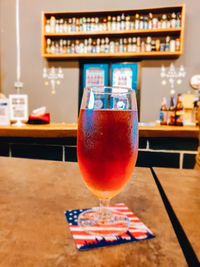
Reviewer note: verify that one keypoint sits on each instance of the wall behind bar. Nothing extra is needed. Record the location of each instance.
(63, 106)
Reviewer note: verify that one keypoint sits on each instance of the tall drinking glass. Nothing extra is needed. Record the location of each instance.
(107, 147)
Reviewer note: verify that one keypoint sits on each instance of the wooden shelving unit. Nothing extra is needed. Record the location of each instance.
(161, 33)
(114, 55)
(133, 32)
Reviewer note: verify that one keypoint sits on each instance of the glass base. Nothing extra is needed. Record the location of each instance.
(18, 123)
(104, 224)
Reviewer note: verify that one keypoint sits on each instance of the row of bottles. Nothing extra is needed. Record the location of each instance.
(106, 45)
(174, 114)
(196, 109)
(122, 22)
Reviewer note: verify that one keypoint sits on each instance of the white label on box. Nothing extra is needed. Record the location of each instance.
(4, 112)
(18, 107)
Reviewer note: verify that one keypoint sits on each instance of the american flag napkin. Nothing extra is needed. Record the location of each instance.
(83, 240)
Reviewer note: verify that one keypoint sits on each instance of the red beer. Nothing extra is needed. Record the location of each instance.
(107, 145)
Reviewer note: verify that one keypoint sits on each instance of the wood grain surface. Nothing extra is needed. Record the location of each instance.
(33, 230)
(58, 130)
(182, 188)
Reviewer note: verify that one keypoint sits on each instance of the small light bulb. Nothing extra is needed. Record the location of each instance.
(46, 83)
(179, 81)
(172, 92)
(164, 82)
(58, 82)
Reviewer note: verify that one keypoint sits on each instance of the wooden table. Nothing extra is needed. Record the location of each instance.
(182, 188)
(33, 230)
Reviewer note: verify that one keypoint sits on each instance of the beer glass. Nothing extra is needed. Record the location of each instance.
(107, 147)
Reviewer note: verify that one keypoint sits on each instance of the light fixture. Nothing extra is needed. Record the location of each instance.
(52, 76)
(172, 75)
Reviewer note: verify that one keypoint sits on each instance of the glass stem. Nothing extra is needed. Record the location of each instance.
(105, 213)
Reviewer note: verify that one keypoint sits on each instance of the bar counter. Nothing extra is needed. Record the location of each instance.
(61, 130)
(159, 146)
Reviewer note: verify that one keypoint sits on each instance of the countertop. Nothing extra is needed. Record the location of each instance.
(61, 130)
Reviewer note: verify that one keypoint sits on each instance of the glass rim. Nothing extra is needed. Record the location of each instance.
(126, 89)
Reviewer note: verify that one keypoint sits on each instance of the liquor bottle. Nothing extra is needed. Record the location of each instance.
(145, 26)
(52, 24)
(141, 25)
(94, 48)
(168, 21)
(153, 45)
(98, 46)
(53, 48)
(137, 21)
(157, 45)
(57, 28)
(159, 23)
(89, 48)
(154, 23)
(102, 46)
(163, 112)
(47, 26)
(167, 44)
(172, 46)
(142, 48)
(112, 47)
(81, 47)
(171, 112)
(150, 17)
(88, 25)
(173, 20)
(106, 45)
(57, 48)
(73, 48)
(61, 22)
(85, 46)
(48, 48)
(177, 44)
(121, 48)
(77, 25)
(178, 20)
(116, 48)
(127, 24)
(73, 24)
(65, 26)
(114, 24)
(138, 47)
(125, 45)
(61, 46)
(179, 111)
(81, 25)
(70, 25)
(148, 44)
(122, 22)
(132, 24)
(64, 47)
(134, 46)
(118, 26)
(196, 110)
(96, 28)
(129, 44)
(109, 24)
(84, 24)
(68, 47)
(104, 24)
(164, 21)
(93, 25)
